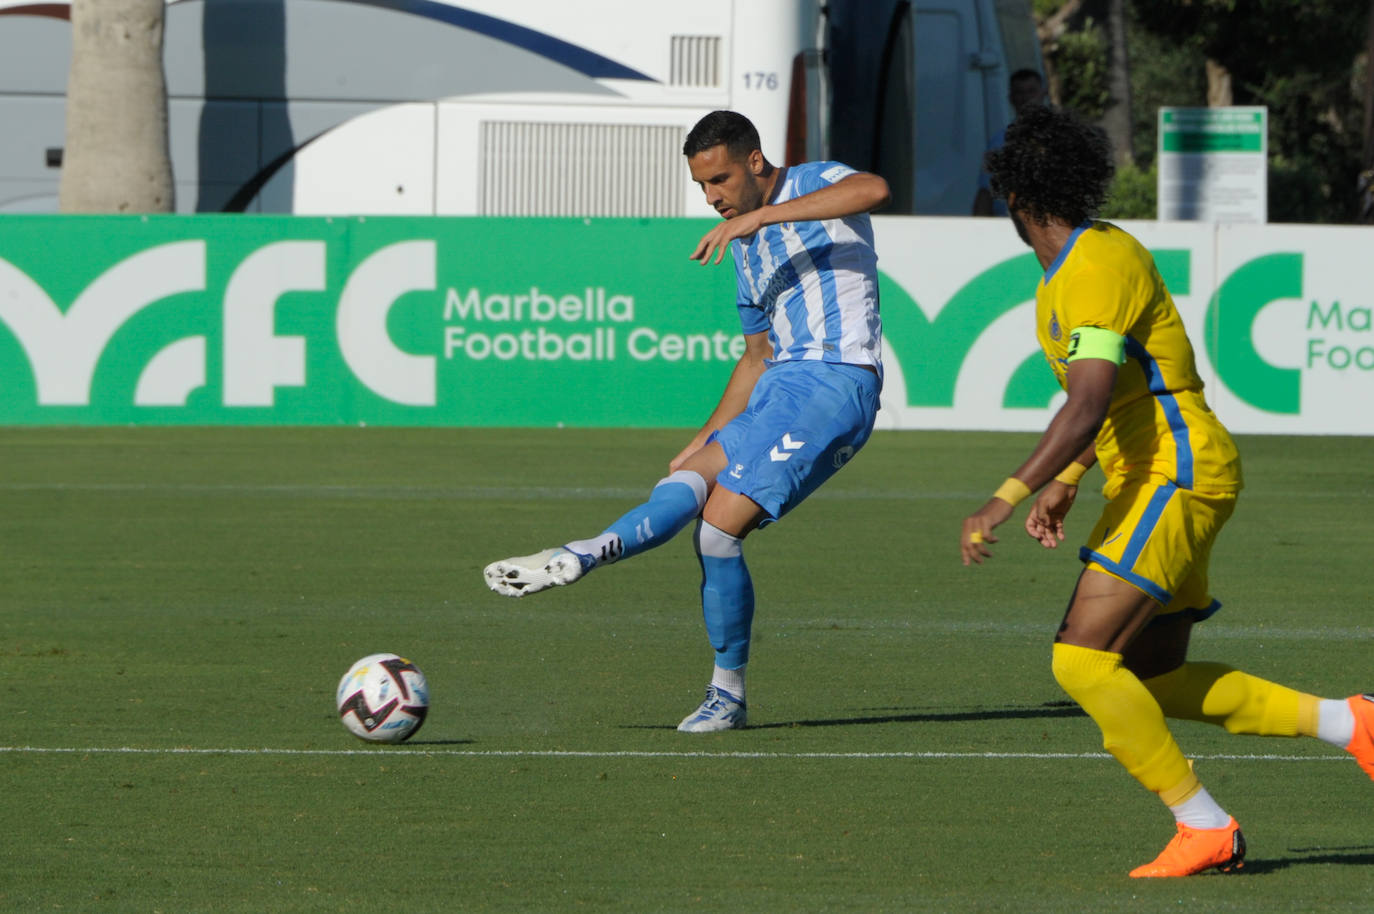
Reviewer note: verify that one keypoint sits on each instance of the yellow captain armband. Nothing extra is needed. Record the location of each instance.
(1013, 491)
(1070, 475)
(1096, 343)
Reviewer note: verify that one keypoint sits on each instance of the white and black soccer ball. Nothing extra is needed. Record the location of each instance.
(383, 698)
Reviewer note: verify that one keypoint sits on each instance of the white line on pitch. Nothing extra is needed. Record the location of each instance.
(418, 752)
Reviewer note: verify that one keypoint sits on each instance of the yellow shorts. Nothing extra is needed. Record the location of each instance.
(1158, 538)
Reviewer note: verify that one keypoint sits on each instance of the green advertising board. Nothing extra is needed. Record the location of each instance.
(280, 320)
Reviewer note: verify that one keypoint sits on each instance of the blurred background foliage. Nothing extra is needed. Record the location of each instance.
(1307, 61)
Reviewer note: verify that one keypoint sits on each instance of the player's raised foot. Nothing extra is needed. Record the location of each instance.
(525, 574)
(720, 711)
(1362, 743)
(1196, 849)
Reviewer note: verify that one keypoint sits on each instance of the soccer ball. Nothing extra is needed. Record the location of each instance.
(383, 698)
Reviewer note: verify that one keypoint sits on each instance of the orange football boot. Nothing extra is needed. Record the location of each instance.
(1196, 849)
(1362, 743)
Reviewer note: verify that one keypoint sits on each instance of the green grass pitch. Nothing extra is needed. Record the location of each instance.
(177, 606)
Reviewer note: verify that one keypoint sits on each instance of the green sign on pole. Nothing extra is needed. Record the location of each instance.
(1213, 164)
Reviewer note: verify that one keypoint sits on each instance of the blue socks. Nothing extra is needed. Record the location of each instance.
(727, 595)
(674, 501)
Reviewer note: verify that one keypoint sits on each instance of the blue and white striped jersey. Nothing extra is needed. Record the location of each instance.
(812, 285)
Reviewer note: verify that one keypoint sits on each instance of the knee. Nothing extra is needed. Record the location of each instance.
(694, 482)
(1078, 669)
(713, 542)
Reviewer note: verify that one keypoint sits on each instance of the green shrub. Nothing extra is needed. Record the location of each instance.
(1133, 195)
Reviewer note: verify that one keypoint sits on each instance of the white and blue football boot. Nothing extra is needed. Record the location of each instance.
(720, 711)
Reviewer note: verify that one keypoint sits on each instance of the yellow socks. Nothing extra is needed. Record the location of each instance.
(1218, 694)
(1132, 724)
(1131, 713)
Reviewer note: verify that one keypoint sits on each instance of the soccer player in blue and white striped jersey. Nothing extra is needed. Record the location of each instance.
(799, 404)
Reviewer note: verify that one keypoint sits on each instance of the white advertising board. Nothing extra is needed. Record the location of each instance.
(1279, 317)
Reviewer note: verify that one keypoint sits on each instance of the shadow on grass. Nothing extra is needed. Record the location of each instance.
(1047, 710)
(1273, 865)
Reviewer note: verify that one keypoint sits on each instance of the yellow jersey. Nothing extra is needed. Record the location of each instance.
(1158, 422)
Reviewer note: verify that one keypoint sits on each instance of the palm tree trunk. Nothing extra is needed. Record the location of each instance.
(1116, 120)
(116, 157)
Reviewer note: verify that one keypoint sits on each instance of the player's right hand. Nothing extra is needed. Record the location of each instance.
(977, 531)
(717, 240)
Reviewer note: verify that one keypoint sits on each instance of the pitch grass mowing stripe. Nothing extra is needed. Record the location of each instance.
(528, 493)
(417, 751)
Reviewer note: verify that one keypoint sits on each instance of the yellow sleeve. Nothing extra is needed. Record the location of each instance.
(1098, 297)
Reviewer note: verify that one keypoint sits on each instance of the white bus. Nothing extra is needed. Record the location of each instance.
(526, 107)
(510, 107)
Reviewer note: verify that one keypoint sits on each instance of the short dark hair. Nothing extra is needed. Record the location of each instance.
(730, 129)
(1058, 165)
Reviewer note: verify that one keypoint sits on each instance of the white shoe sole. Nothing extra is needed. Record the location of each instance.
(711, 725)
(699, 721)
(526, 574)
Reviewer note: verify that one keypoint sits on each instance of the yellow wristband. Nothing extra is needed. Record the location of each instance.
(1072, 473)
(1013, 491)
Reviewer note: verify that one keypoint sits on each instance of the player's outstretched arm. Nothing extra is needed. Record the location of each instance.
(861, 192)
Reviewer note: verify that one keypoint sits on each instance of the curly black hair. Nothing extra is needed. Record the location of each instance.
(1057, 165)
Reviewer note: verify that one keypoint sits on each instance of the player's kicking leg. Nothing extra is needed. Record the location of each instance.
(674, 502)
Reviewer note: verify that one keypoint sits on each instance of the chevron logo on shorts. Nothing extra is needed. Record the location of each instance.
(789, 447)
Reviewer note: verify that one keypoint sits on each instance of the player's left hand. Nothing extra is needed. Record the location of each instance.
(1045, 522)
(718, 239)
(977, 532)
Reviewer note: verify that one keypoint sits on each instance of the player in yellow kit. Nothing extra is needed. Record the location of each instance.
(1135, 405)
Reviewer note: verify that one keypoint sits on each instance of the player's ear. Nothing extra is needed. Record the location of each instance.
(757, 163)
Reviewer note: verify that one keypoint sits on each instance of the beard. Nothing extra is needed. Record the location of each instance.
(750, 199)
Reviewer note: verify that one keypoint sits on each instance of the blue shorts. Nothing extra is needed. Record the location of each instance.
(803, 422)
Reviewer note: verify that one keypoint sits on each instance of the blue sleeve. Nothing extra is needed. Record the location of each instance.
(812, 176)
(751, 316)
